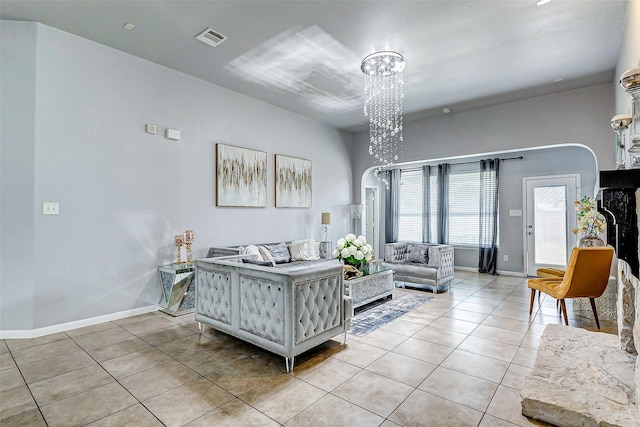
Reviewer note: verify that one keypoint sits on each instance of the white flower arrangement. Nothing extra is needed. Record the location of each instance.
(590, 222)
(353, 250)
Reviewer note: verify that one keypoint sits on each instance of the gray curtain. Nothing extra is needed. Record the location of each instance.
(443, 203)
(426, 204)
(392, 200)
(488, 215)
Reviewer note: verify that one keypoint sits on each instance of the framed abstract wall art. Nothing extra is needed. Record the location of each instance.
(293, 182)
(241, 177)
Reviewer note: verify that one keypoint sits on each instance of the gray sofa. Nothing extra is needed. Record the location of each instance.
(286, 309)
(422, 265)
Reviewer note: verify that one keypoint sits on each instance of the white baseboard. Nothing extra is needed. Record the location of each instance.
(33, 333)
(502, 272)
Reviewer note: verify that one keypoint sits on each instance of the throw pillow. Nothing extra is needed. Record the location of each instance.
(251, 250)
(303, 250)
(417, 253)
(279, 252)
(266, 255)
(256, 262)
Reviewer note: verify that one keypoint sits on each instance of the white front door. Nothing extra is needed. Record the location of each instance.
(549, 219)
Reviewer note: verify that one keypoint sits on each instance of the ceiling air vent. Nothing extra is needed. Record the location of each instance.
(210, 37)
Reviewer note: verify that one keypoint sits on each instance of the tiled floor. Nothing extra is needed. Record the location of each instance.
(459, 360)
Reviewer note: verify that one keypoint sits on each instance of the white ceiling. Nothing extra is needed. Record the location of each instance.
(304, 56)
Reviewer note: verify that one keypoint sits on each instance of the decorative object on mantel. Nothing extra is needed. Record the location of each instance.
(590, 222)
(326, 222)
(630, 82)
(179, 241)
(620, 123)
(293, 182)
(352, 250)
(384, 93)
(189, 238)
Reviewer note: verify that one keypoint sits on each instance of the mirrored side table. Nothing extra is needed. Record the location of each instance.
(178, 289)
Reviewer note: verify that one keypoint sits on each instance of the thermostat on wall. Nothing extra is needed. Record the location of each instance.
(172, 134)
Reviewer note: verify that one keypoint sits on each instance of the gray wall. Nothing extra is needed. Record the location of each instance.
(73, 116)
(576, 117)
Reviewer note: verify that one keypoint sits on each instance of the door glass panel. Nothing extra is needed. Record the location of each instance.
(550, 227)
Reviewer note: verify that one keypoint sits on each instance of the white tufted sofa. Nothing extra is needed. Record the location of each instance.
(436, 274)
(283, 311)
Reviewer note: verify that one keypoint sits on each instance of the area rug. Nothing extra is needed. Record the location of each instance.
(371, 316)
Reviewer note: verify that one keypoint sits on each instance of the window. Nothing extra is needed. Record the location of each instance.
(464, 205)
(410, 206)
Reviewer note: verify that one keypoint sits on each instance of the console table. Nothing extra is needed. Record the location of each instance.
(370, 287)
(178, 289)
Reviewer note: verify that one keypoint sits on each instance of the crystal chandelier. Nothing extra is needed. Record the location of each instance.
(383, 92)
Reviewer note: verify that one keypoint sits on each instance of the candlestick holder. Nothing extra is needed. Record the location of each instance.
(189, 254)
(179, 241)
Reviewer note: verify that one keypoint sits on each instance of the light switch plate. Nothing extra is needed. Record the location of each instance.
(173, 134)
(152, 129)
(50, 208)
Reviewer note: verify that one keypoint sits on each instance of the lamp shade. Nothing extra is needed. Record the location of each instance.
(326, 218)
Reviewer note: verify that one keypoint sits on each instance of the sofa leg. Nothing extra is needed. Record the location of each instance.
(201, 327)
(288, 363)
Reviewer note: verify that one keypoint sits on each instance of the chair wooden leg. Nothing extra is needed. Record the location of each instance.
(533, 298)
(558, 307)
(595, 312)
(563, 307)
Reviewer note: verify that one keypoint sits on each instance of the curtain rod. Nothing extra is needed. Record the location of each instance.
(465, 163)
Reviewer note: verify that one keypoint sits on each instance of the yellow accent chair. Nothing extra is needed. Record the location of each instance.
(587, 276)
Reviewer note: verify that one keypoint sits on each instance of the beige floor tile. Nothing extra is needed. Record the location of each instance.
(150, 324)
(333, 411)
(10, 378)
(388, 423)
(6, 361)
(102, 338)
(515, 376)
(404, 369)
(498, 334)
(233, 414)
(530, 341)
(165, 335)
(403, 327)
(32, 418)
(3, 347)
(469, 316)
(136, 415)
(246, 373)
(90, 329)
(89, 406)
(283, 398)
(15, 401)
(506, 323)
(491, 421)
(440, 336)
(66, 385)
(38, 371)
(357, 353)
(118, 349)
(455, 325)
(374, 392)
(507, 405)
(132, 363)
(325, 373)
(206, 362)
(489, 348)
(158, 379)
(383, 339)
(476, 365)
(189, 401)
(426, 409)
(525, 357)
(44, 351)
(460, 388)
(188, 345)
(137, 318)
(24, 343)
(423, 350)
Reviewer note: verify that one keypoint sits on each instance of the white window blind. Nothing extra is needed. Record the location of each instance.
(410, 206)
(464, 207)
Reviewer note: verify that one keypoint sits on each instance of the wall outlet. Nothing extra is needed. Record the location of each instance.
(50, 208)
(505, 257)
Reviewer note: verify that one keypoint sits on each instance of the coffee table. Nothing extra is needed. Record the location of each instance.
(370, 287)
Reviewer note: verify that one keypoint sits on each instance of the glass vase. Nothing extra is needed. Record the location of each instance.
(590, 241)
